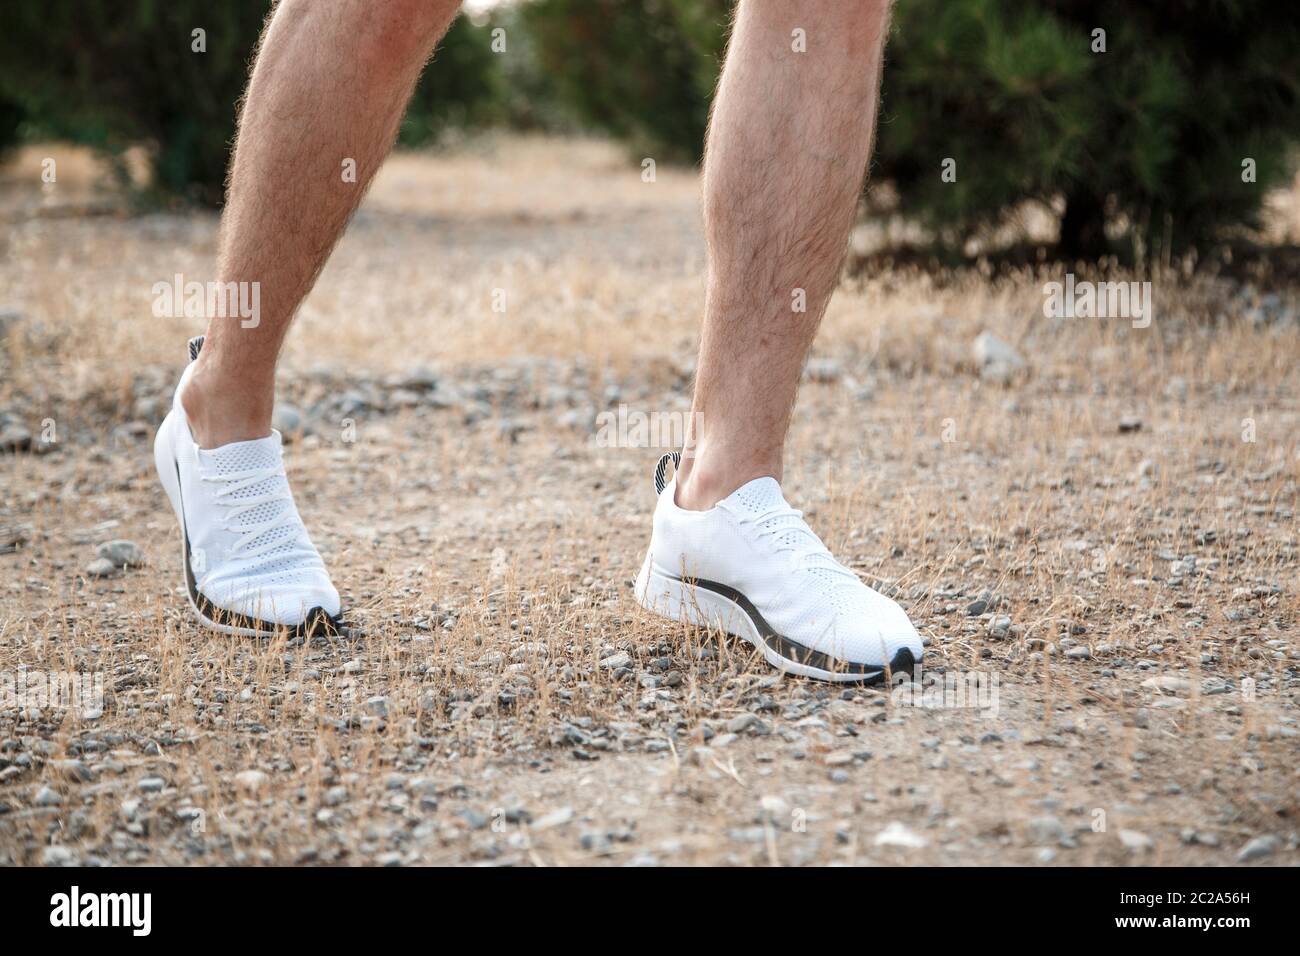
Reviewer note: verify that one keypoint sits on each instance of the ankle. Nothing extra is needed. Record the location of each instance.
(221, 411)
(701, 484)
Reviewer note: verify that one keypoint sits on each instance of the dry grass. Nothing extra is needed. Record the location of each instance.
(488, 568)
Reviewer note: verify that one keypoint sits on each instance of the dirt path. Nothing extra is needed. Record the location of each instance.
(1132, 673)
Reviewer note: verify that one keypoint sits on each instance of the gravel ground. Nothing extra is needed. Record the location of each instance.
(1099, 546)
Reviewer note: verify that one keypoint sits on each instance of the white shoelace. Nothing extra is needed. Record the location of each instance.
(236, 481)
(809, 551)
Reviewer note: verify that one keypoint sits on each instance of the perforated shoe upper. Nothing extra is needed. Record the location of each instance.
(754, 542)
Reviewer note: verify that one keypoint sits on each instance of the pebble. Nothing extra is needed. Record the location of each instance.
(101, 568)
(555, 818)
(999, 627)
(743, 722)
(1135, 841)
(1259, 848)
(1169, 683)
(151, 784)
(123, 553)
(981, 604)
(897, 834)
(58, 856)
(47, 797)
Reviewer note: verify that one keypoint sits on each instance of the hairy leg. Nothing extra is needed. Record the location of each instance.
(787, 151)
(330, 84)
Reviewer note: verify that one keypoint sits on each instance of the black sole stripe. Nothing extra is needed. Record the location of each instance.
(794, 651)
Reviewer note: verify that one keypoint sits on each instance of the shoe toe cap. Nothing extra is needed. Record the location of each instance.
(880, 636)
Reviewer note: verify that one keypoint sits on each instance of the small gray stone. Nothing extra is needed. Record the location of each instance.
(999, 628)
(151, 784)
(101, 568)
(47, 797)
(742, 722)
(615, 661)
(1258, 848)
(555, 818)
(58, 856)
(1135, 841)
(981, 604)
(123, 553)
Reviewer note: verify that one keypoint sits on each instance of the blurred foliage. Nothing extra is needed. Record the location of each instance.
(1151, 132)
(1154, 130)
(113, 74)
(462, 88)
(642, 70)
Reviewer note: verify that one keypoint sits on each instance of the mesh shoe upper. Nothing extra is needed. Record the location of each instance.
(754, 542)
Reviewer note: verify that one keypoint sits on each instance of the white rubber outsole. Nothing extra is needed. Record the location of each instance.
(668, 596)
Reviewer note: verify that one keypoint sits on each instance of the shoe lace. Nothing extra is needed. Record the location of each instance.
(234, 482)
(789, 532)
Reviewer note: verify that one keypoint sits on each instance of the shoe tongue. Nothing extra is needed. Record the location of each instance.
(243, 455)
(757, 496)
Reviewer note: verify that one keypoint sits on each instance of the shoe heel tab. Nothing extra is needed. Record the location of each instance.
(196, 345)
(661, 470)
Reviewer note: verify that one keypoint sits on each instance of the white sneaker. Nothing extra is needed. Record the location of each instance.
(250, 567)
(750, 566)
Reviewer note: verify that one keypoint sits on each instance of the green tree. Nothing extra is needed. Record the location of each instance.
(1151, 133)
(111, 74)
(1153, 130)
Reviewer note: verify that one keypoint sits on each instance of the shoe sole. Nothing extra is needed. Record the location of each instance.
(317, 620)
(719, 607)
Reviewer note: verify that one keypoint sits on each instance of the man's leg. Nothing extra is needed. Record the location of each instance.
(329, 86)
(327, 93)
(787, 153)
